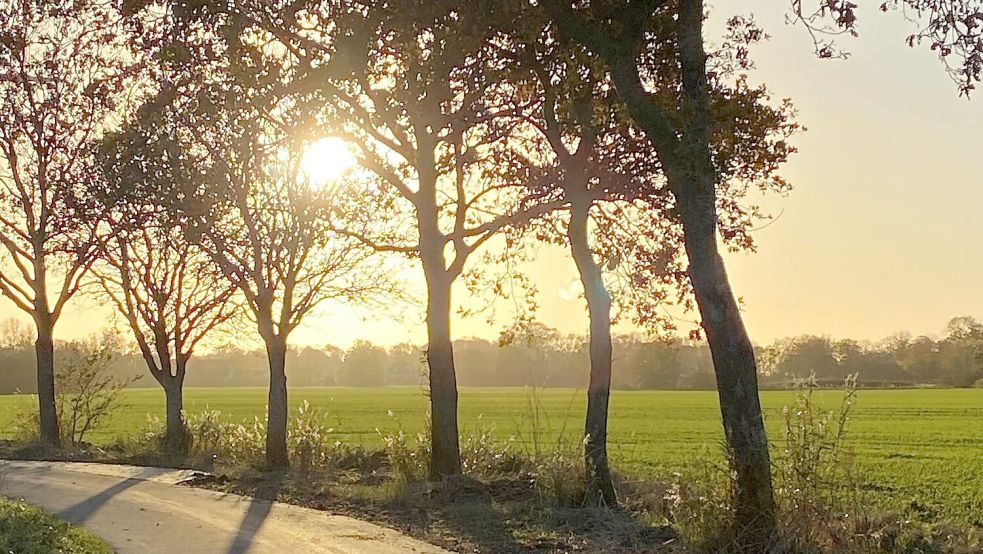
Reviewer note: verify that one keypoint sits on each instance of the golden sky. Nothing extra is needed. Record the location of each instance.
(883, 231)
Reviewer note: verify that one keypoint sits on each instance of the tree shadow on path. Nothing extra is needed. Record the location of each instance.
(259, 509)
(83, 510)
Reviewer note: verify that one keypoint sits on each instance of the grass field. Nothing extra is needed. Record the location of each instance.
(920, 451)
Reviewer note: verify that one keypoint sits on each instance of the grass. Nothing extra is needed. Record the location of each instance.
(28, 530)
(917, 451)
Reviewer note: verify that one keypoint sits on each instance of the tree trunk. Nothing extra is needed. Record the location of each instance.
(276, 420)
(176, 436)
(45, 351)
(733, 356)
(446, 453)
(599, 487)
(736, 371)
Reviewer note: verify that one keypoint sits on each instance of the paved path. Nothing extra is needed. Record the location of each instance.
(142, 511)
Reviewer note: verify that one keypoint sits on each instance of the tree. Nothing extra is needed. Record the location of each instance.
(963, 329)
(800, 357)
(88, 392)
(954, 360)
(315, 367)
(622, 230)
(961, 352)
(220, 148)
(17, 357)
(64, 75)
(644, 365)
(919, 358)
(868, 363)
(269, 236)
(414, 90)
(581, 158)
(171, 296)
(680, 133)
(622, 35)
(14, 333)
(406, 364)
(364, 365)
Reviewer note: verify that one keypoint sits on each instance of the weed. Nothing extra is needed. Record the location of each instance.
(409, 461)
(308, 439)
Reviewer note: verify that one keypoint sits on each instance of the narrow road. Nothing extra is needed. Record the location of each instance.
(141, 511)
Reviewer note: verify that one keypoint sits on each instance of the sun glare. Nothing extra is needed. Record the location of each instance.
(326, 160)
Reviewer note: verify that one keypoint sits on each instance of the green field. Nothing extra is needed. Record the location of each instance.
(920, 450)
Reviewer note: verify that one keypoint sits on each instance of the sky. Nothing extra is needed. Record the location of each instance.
(882, 232)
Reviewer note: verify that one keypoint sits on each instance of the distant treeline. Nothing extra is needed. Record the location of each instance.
(540, 356)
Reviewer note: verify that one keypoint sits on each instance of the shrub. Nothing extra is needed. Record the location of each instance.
(87, 394)
(208, 432)
(484, 456)
(700, 506)
(534, 429)
(307, 439)
(215, 442)
(148, 446)
(555, 460)
(559, 477)
(818, 491)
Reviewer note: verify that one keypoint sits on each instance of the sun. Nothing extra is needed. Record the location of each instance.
(326, 159)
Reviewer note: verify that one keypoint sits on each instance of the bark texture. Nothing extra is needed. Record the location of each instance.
(177, 433)
(736, 372)
(45, 351)
(446, 453)
(276, 430)
(693, 183)
(600, 488)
